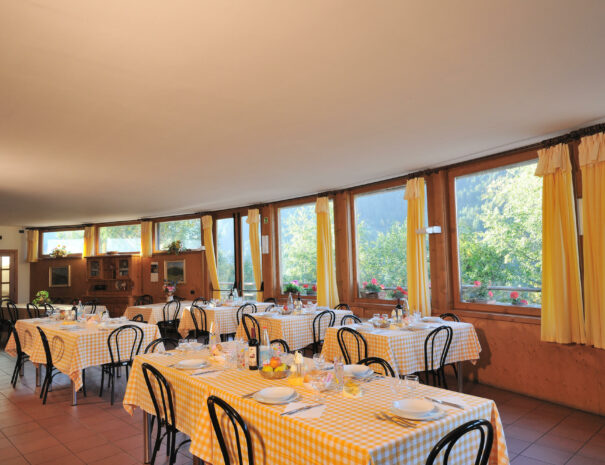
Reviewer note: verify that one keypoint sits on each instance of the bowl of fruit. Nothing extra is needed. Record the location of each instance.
(275, 369)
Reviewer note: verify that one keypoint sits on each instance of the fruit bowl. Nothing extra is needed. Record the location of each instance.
(281, 373)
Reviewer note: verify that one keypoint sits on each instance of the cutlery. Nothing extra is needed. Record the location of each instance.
(306, 407)
(445, 402)
(205, 372)
(250, 394)
(397, 420)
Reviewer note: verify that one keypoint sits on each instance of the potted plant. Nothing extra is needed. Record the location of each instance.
(372, 289)
(169, 289)
(309, 289)
(59, 252)
(175, 248)
(515, 299)
(399, 293)
(42, 297)
(479, 293)
(292, 287)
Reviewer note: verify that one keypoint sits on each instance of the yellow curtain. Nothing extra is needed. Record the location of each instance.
(33, 236)
(592, 164)
(210, 258)
(562, 315)
(253, 221)
(418, 292)
(327, 291)
(146, 239)
(89, 241)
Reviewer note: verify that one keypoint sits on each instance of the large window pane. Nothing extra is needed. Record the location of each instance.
(122, 238)
(499, 221)
(225, 254)
(247, 272)
(186, 231)
(72, 240)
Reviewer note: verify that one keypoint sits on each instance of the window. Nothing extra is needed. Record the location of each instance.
(73, 241)
(225, 253)
(499, 232)
(298, 245)
(8, 270)
(187, 231)
(123, 238)
(248, 282)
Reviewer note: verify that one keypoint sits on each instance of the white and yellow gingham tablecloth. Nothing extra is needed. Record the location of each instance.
(22, 308)
(347, 433)
(296, 330)
(404, 349)
(224, 316)
(72, 351)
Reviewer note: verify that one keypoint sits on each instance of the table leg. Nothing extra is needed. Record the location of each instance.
(74, 394)
(460, 377)
(197, 461)
(38, 375)
(146, 437)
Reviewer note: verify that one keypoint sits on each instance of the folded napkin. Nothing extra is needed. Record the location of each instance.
(314, 412)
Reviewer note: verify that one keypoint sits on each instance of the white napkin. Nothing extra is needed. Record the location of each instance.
(314, 412)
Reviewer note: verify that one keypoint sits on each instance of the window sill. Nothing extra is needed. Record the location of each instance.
(485, 315)
(165, 252)
(48, 257)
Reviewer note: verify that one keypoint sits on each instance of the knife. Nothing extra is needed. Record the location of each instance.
(445, 402)
(306, 407)
(205, 372)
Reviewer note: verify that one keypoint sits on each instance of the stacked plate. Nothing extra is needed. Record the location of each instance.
(432, 319)
(358, 371)
(190, 364)
(417, 409)
(276, 395)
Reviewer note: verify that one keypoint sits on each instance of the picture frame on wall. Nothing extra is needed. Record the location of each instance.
(174, 270)
(59, 276)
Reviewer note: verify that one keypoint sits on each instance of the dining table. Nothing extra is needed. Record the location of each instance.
(338, 429)
(403, 348)
(22, 309)
(295, 329)
(74, 345)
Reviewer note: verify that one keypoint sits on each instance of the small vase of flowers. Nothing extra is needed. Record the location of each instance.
(59, 252)
(42, 297)
(292, 287)
(399, 293)
(372, 289)
(515, 299)
(169, 289)
(479, 293)
(175, 248)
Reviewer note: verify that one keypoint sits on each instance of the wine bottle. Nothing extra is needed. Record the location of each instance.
(253, 351)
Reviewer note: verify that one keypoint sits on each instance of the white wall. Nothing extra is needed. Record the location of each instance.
(11, 240)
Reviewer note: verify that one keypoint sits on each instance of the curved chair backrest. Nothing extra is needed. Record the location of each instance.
(431, 349)
(199, 301)
(13, 313)
(161, 394)
(178, 298)
(449, 316)
(269, 307)
(486, 439)
(13, 330)
(47, 352)
(249, 322)
(115, 340)
(171, 311)
(345, 333)
(270, 299)
(386, 367)
(323, 319)
(236, 421)
(93, 306)
(198, 315)
(246, 308)
(32, 310)
(342, 307)
(48, 308)
(139, 318)
(283, 345)
(352, 318)
(167, 341)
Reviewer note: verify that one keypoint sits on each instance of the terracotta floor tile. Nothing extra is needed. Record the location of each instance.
(119, 459)
(522, 460)
(65, 460)
(98, 453)
(579, 460)
(88, 442)
(560, 443)
(49, 453)
(547, 454)
(9, 452)
(20, 460)
(592, 450)
(10, 431)
(524, 434)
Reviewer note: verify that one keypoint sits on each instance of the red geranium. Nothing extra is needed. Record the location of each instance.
(514, 295)
(477, 283)
(306, 286)
(314, 287)
(490, 293)
(524, 302)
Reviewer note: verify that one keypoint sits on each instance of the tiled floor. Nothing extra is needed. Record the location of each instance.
(537, 432)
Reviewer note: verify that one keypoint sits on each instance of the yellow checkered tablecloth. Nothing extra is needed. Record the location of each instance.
(296, 330)
(405, 349)
(347, 433)
(72, 351)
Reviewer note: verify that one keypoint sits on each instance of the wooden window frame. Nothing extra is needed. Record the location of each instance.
(155, 237)
(14, 268)
(98, 238)
(463, 170)
(41, 253)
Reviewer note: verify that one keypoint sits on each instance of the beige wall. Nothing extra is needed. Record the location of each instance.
(13, 240)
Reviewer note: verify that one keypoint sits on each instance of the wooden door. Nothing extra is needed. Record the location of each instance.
(8, 274)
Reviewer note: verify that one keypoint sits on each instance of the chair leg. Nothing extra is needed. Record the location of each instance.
(84, 382)
(158, 442)
(16, 372)
(102, 380)
(112, 377)
(173, 448)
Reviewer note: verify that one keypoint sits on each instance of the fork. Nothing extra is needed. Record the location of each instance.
(250, 394)
(397, 420)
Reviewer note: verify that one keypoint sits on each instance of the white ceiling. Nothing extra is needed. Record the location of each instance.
(114, 110)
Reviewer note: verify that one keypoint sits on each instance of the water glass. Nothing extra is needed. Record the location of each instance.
(318, 384)
(411, 383)
(319, 361)
(396, 385)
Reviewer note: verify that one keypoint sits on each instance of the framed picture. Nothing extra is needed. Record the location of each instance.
(59, 276)
(174, 270)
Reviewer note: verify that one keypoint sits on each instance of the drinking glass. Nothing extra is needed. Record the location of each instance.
(318, 384)
(411, 383)
(319, 361)
(396, 385)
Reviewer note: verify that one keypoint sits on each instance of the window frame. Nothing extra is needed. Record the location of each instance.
(155, 236)
(41, 253)
(98, 238)
(477, 166)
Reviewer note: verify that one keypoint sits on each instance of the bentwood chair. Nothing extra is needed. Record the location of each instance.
(283, 345)
(250, 323)
(5, 317)
(32, 310)
(436, 346)
(48, 309)
(50, 372)
(13, 312)
(117, 341)
(449, 316)
(345, 334)
(342, 306)
(199, 301)
(486, 439)
(246, 308)
(352, 318)
(325, 319)
(163, 404)
(93, 306)
(169, 344)
(270, 300)
(169, 326)
(386, 367)
(22, 357)
(138, 318)
(200, 322)
(237, 424)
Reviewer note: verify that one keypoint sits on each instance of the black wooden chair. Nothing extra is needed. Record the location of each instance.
(199, 301)
(139, 318)
(249, 322)
(433, 371)
(271, 300)
(117, 341)
(144, 299)
(237, 423)
(13, 312)
(163, 404)
(345, 333)
(246, 308)
(22, 357)
(169, 344)
(32, 310)
(200, 322)
(486, 440)
(352, 318)
(93, 306)
(50, 372)
(48, 309)
(5, 317)
(169, 326)
(386, 367)
(282, 344)
(342, 307)
(325, 319)
(449, 316)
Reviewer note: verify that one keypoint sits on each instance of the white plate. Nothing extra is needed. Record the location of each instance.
(275, 395)
(191, 364)
(432, 319)
(357, 371)
(419, 326)
(414, 406)
(435, 414)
